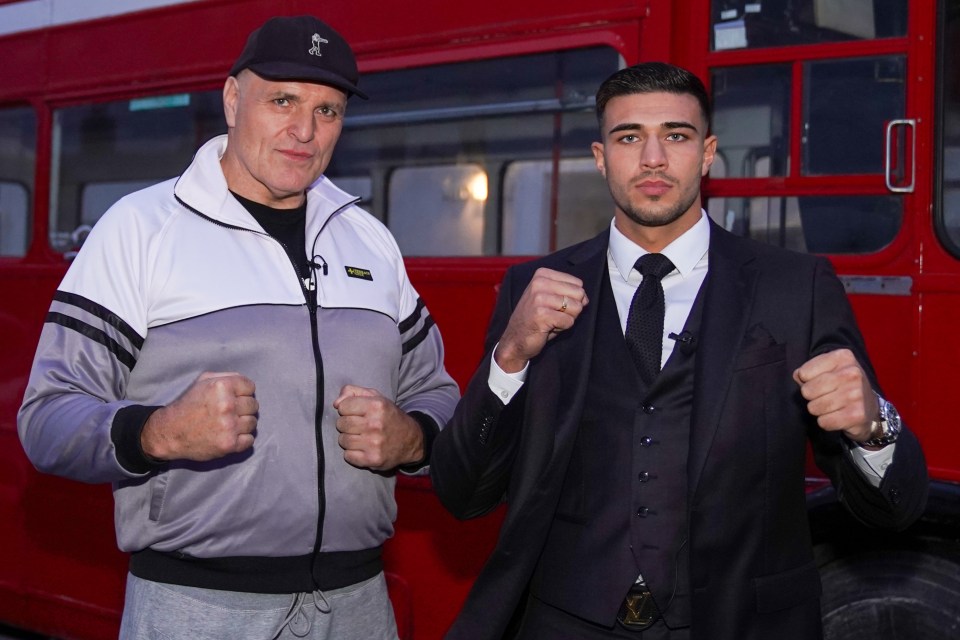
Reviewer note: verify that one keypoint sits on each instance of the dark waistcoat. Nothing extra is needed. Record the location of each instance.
(623, 505)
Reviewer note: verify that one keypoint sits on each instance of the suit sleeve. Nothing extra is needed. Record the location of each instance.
(901, 497)
(473, 457)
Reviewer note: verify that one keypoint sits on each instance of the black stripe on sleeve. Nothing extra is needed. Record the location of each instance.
(101, 312)
(94, 334)
(412, 319)
(420, 336)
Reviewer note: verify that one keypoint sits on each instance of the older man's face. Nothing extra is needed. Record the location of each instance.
(281, 136)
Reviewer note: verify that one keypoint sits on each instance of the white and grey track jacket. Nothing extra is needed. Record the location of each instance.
(178, 279)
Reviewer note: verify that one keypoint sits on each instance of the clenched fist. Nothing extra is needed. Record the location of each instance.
(374, 432)
(215, 417)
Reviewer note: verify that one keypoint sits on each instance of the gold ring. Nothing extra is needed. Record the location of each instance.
(563, 304)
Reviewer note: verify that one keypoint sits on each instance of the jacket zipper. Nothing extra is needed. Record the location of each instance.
(312, 294)
(309, 288)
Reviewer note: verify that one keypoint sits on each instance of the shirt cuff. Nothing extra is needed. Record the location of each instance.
(873, 464)
(505, 385)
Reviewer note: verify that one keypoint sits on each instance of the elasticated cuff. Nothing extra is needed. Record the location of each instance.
(125, 432)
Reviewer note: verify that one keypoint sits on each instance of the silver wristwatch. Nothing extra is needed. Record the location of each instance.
(885, 430)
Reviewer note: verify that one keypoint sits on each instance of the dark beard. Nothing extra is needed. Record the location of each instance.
(645, 218)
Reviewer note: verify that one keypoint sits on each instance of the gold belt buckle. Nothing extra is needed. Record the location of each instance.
(638, 611)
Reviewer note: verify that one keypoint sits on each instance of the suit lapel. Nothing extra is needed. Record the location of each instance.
(731, 284)
(561, 381)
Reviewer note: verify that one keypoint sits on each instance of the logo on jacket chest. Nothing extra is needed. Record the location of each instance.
(357, 272)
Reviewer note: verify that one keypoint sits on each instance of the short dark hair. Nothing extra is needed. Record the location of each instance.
(653, 77)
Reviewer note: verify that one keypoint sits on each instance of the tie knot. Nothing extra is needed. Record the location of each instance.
(653, 264)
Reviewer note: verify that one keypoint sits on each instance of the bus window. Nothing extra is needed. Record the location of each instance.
(582, 204)
(18, 148)
(751, 119)
(949, 205)
(106, 150)
(775, 220)
(438, 211)
(818, 224)
(739, 24)
(847, 105)
(808, 120)
(480, 114)
(427, 134)
(97, 197)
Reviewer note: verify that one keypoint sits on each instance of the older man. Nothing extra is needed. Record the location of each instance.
(239, 351)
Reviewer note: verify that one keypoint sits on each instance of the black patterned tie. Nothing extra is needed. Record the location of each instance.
(645, 321)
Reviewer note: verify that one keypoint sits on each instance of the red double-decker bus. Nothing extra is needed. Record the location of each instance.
(839, 134)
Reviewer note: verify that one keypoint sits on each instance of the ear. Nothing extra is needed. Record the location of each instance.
(597, 148)
(231, 97)
(709, 154)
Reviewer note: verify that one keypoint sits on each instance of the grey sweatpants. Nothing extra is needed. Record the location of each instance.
(158, 611)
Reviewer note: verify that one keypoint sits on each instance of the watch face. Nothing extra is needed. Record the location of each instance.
(889, 426)
(892, 419)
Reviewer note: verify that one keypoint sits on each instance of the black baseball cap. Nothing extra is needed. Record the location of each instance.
(300, 48)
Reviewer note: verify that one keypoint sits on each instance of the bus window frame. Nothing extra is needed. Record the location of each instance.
(795, 184)
(599, 39)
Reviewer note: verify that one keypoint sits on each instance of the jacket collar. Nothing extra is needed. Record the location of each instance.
(202, 187)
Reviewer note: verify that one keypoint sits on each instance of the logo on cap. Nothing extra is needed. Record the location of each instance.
(317, 40)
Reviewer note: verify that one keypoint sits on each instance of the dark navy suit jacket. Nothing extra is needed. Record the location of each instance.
(767, 311)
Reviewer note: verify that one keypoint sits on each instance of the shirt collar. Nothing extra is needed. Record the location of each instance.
(684, 252)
